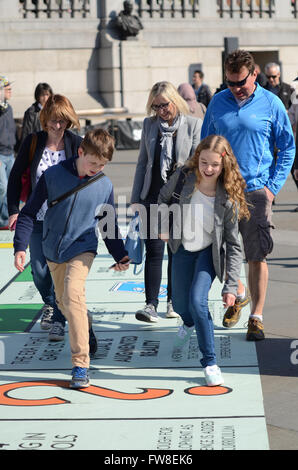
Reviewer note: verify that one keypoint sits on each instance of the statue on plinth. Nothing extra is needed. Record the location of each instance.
(127, 24)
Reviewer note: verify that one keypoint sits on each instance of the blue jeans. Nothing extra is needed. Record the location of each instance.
(192, 277)
(40, 272)
(6, 164)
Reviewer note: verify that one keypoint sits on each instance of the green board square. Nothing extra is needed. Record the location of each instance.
(25, 276)
(16, 318)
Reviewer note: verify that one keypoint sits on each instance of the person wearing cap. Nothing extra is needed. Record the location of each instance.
(7, 144)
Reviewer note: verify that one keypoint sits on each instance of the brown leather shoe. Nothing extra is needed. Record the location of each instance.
(232, 315)
(255, 330)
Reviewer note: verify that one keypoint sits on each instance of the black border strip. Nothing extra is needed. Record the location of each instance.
(134, 419)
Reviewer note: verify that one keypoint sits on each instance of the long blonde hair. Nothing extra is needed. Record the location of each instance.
(168, 91)
(230, 176)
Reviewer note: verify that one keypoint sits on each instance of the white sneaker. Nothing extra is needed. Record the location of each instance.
(213, 376)
(183, 336)
(170, 311)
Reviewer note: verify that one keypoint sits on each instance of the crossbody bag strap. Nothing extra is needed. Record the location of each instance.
(178, 188)
(32, 148)
(75, 190)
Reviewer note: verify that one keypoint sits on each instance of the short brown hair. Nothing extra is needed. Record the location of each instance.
(59, 107)
(238, 59)
(100, 143)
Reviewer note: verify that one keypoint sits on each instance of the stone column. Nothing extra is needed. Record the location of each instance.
(208, 10)
(283, 10)
(9, 10)
(124, 65)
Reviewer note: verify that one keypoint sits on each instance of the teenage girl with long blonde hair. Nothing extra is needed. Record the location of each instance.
(212, 202)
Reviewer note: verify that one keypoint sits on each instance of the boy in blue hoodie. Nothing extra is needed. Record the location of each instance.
(69, 236)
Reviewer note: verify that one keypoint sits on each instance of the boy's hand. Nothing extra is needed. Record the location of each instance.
(122, 265)
(19, 260)
(228, 300)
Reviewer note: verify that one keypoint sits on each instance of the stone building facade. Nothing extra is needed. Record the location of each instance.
(73, 46)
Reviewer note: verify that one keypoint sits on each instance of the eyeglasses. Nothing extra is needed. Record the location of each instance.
(271, 76)
(158, 107)
(238, 84)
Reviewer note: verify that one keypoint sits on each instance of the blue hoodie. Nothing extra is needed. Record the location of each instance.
(254, 130)
(69, 227)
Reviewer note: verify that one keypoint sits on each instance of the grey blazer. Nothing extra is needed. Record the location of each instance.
(187, 140)
(226, 247)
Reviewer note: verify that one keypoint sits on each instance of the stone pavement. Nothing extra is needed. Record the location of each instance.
(278, 362)
(278, 354)
(143, 394)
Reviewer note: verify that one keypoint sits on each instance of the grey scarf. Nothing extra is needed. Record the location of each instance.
(166, 142)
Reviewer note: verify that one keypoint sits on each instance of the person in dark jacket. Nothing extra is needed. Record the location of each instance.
(202, 91)
(7, 144)
(70, 238)
(31, 120)
(55, 143)
(276, 86)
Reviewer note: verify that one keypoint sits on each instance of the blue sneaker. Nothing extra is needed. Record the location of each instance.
(183, 336)
(80, 377)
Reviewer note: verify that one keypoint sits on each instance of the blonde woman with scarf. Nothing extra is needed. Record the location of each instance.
(169, 137)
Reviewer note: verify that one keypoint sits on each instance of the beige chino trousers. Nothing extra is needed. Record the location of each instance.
(69, 280)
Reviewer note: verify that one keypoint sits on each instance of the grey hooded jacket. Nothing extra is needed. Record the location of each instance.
(226, 247)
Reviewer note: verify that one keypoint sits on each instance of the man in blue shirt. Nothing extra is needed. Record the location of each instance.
(255, 122)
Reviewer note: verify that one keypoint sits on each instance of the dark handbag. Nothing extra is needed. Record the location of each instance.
(26, 176)
(134, 244)
(75, 190)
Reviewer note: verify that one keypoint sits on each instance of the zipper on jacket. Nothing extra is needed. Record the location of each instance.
(65, 227)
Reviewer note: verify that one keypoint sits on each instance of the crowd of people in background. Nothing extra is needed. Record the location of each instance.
(208, 145)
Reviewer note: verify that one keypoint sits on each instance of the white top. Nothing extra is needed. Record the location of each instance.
(198, 222)
(48, 159)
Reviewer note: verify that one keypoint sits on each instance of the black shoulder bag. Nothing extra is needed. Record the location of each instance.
(75, 190)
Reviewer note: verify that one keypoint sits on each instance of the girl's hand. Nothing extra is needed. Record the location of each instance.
(228, 300)
(296, 174)
(164, 237)
(19, 260)
(12, 222)
(122, 265)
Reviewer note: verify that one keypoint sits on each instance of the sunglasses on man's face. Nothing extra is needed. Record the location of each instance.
(271, 76)
(237, 84)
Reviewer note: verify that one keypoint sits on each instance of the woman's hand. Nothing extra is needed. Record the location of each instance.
(122, 265)
(19, 260)
(296, 174)
(228, 300)
(12, 221)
